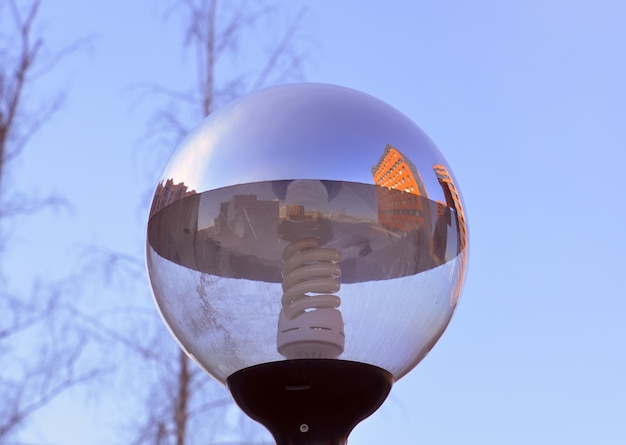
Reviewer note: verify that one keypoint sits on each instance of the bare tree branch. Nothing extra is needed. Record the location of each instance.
(19, 315)
(22, 64)
(100, 329)
(23, 404)
(281, 50)
(36, 372)
(13, 82)
(40, 350)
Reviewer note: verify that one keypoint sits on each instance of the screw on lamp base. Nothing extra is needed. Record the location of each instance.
(310, 401)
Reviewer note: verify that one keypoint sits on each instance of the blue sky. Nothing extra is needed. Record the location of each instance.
(526, 100)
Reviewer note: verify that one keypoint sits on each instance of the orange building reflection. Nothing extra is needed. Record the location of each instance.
(453, 200)
(404, 205)
(400, 200)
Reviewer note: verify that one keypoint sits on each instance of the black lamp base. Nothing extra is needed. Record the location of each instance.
(310, 401)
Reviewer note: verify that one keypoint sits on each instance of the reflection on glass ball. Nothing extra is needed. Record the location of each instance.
(307, 221)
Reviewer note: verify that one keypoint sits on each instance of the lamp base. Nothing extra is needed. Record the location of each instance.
(310, 401)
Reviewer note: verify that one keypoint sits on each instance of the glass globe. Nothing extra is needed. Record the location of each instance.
(307, 222)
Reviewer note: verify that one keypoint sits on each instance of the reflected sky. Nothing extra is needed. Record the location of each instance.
(305, 131)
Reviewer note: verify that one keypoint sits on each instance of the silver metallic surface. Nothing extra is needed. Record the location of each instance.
(300, 131)
(295, 162)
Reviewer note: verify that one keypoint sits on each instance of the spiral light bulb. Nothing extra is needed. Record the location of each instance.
(309, 325)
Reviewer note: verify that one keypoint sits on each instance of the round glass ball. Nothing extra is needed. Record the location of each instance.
(307, 221)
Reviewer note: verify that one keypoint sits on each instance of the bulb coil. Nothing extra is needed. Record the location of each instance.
(309, 269)
(310, 325)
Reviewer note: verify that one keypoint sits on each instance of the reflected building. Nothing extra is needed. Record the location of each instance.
(167, 193)
(292, 211)
(404, 207)
(402, 195)
(245, 216)
(177, 245)
(242, 231)
(453, 201)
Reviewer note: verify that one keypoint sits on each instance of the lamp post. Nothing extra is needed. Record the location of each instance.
(306, 246)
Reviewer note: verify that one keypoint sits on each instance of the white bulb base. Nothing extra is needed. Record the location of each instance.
(318, 333)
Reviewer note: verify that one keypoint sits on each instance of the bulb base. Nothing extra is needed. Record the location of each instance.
(314, 334)
(312, 401)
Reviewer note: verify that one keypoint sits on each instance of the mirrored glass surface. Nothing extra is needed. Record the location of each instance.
(307, 221)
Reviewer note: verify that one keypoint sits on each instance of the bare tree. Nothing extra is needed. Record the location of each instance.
(215, 33)
(21, 53)
(39, 350)
(41, 356)
(184, 405)
(24, 61)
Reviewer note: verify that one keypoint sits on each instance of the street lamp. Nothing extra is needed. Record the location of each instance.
(306, 246)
